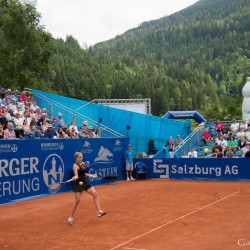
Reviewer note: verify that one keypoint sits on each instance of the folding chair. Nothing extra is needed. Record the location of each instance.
(141, 170)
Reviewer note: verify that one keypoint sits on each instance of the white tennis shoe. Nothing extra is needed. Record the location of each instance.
(70, 220)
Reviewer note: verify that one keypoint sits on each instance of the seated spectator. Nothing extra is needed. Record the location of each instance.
(192, 153)
(232, 144)
(12, 106)
(18, 110)
(35, 129)
(230, 154)
(50, 133)
(211, 125)
(41, 120)
(225, 132)
(44, 126)
(34, 106)
(60, 121)
(206, 136)
(82, 133)
(90, 132)
(9, 133)
(247, 154)
(240, 133)
(219, 126)
(184, 155)
(248, 133)
(241, 143)
(67, 132)
(96, 133)
(217, 153)
(243, 125)
(246, 148)
(222, 142)
(85, 127)
(26, 116)
(38, 114)
(60, 133)
(1, 131)
(27, 130)
(73, 133)
(220, 148)
(234, 126)
(211, 143)
(23, 97)
(179, 141)
(73, 125)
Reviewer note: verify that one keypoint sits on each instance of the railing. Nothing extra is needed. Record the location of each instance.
(103, 130)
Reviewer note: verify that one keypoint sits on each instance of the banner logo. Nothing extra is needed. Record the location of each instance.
(14, 148)
(104, 156)
(53, 169)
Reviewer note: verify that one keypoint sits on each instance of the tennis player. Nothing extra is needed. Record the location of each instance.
(81, 184)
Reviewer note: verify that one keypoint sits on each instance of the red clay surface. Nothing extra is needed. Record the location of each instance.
(141, 215)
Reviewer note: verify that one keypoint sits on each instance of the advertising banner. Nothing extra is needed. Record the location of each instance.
(28, 167)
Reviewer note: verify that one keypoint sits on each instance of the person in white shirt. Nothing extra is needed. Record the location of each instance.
(73, 125)
(248, 133)
(192, 153)
(222, 142)
(234, 126)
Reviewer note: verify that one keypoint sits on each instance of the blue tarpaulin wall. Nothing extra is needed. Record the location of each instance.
(28, 167)
(142, 127)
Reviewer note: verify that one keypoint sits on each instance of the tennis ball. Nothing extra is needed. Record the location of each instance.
(80, 183)
(206, 150)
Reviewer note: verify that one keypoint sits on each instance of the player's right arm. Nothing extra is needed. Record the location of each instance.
(75, 170)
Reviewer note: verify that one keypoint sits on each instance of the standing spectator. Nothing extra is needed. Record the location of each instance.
(129, 163)
(179, 141)
(9, 133)
(192, 153)
(170, 144)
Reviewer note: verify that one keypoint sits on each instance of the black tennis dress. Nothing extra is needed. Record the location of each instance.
(82, 178)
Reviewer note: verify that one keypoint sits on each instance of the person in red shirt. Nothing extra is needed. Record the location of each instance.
(206, 136)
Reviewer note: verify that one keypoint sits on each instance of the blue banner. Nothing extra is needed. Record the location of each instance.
(28, 167)
(233, 169)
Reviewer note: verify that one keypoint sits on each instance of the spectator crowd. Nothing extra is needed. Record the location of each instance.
(21, 117)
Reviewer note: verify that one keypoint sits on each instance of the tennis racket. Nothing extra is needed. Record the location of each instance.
(55, 187)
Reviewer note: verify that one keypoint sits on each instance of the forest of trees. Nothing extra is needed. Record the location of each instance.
(196, 59)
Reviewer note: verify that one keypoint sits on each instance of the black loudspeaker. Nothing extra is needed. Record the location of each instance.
(108, 178)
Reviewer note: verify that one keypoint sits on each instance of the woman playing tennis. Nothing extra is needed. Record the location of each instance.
(81, 184)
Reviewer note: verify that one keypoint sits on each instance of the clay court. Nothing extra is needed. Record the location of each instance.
(141, 215)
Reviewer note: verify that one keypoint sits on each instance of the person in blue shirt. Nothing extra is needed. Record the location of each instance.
(50, 133)
(129, 163)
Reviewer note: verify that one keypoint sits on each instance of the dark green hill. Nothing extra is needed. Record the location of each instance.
(209, 40)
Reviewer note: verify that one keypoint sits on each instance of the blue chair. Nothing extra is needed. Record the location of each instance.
(141, 170)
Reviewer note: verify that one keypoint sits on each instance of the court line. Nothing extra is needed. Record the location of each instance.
(170, 222)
